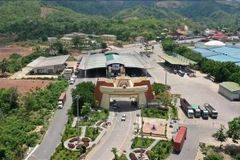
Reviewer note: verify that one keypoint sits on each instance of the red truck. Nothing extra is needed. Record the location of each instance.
(180, 138)
(61, 100)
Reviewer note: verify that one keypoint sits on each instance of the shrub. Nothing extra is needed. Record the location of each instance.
(214, 156)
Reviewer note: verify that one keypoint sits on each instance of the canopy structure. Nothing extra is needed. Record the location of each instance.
(173, 60)
(215, 43)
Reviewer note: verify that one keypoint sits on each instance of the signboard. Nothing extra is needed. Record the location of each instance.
(115, 67)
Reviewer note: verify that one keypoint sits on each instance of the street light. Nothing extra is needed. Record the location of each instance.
(78, 97)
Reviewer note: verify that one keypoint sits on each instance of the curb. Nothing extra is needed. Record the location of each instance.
(32, 152)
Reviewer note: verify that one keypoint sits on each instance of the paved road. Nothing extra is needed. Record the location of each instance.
(190, 146)
(53, 136)
(118, 135)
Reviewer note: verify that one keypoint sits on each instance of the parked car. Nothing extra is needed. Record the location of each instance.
(123, 117)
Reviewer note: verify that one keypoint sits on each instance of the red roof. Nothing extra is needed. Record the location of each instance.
(180, 134)
(62, 96)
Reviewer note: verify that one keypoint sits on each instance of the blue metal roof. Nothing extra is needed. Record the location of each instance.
(224, 58)
(230, 51)
(205, 52)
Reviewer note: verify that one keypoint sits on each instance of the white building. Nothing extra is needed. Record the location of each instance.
(230, 90)
(49, 65)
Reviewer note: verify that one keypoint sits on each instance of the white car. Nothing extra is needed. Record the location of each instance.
(123, 117)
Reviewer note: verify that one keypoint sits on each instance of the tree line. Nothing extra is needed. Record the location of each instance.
(19, 116)
(222, 71)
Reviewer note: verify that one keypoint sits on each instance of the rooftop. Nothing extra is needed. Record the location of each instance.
(230, 51)
(173, 60)
(99, 60)
(231, 86)
(224, 58)
(49, 61)
(205, 52)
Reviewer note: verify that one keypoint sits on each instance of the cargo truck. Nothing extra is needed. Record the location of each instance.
(211, 111)
(180, 139)
(186, 107)
(197, 111)
(204, 112)
(61, 100)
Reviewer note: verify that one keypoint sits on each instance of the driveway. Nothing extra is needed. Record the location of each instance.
(53, 136)
(118, 135)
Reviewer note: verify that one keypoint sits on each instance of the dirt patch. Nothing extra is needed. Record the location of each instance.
(7, 51)
(45, 11)
(37, 129)
(23, 86)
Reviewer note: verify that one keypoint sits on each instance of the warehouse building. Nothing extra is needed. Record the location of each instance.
(230, 90)
(49, 65)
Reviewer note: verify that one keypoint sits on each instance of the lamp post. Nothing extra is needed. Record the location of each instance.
(78, 97)
(141, 154)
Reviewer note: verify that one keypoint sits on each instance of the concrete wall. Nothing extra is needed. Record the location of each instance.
(149, 95)
(98, 93)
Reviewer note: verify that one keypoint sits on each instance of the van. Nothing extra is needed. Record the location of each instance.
(71, 81)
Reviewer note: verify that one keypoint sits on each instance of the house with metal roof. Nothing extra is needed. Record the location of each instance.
(230, 90)
(48, 65)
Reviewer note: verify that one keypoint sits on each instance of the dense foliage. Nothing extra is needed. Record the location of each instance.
(86, 92)
(159, 88)
(18, 121)
(161, 150)
(154, 112)
(91, 133)
(234, 129)
(214, 156)
(222, 71)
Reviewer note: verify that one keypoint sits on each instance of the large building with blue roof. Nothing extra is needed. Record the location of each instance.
(221, 54)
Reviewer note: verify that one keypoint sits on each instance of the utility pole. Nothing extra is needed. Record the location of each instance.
(78, 97)
(141, 154)
(166, 85)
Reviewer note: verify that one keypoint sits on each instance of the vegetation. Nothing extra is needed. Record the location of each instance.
(19, 120)
(92, 133)
(114, 150)
(214, 156)
(70, 131)
(161, 150)
(95, 116)
(222, 71)
(154, 112)
(234, 129)
(63, 153)
(220, 135)
(86, 92)
(160, 88)
(137, 142)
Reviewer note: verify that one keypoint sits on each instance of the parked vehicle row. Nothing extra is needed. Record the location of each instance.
(198, 111)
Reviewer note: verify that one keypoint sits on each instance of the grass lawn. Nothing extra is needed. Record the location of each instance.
(154, 112)
(92, 133)
(94, 117)
(137, 142)
(161, 150)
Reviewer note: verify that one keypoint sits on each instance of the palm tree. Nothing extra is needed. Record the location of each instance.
(114, 150)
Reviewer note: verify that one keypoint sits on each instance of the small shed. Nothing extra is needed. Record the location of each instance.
(231, 90)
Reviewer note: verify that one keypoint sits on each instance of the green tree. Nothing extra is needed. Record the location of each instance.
(104, 45)
(160, 88)
(234, 129)
(44, 38)
(220, 135)
(4, 65)
(77, 40)
(114, 151)
(86, 109)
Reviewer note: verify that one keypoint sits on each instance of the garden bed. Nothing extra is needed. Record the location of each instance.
(94, 117)
(161, 150)
(137, 142)
(92, 133)
(154, 112)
